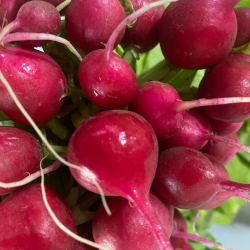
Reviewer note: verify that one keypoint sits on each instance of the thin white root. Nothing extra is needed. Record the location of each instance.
(195, 220)
(61, 226)
(25, 36)
(87, 173)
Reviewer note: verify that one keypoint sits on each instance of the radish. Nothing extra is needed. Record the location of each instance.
(185, 178)
(243, 32)
(26, 224)
(106, 79)
(126, 228)
(20, 155)
(38, 81)
(220, 82)
(193, 34)
(223, 152)
(9, 9)
(224, 128)
(90, 24)
(162, 107)
(43, 18)
(115, 146)
(195, 133)
(144, 33)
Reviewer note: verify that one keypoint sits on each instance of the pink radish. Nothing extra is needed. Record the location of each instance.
(144, 33)
(224, 128)
(106, 79)
(195, 133)
(126, 228)
(185, 178)
(162, 107)
(43, 18)
(20, 155)
(9, 9)
(223, 152)
(90, 24)
(220, 82)
(26, 224)
(190, 27)
(114, 146)
(38, 81)
(243, 32)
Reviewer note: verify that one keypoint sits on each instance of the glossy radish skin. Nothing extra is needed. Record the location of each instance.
(43, 18)
(119, 148)
(157, 103)
(220, 197)
(225, 128)
(236, 56)
(20, 155)
(115, 146)
(223, 152)
(179, 224)
(190, 27)
(243, 33)
(37, 80)
(185, 178)
(9, 9)
(90, 24)
(108, 83)
(191, 134)
(144, 33)
(126, 228)
(219, 82)
(25, 223)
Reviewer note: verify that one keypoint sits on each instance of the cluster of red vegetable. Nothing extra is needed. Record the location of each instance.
(118, 149)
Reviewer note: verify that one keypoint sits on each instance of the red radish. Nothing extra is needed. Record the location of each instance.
(236, 56)
(223, 152)
(107, 80)
(37, 80)
(53, 2)
(162, 107)
(144, 33)
(90, 24)
(195, 133)
(192, 134)
(43, 18)
(190, 27)
(9, 9)
(20, 155)
(180, 235)
(126, 228)
(220, 82)
(26, 224)
(225, 128)
(185, 178)
(114, 146)
(109, 84)
(243, 32)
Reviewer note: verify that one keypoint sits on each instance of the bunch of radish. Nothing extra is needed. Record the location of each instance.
(78, 103)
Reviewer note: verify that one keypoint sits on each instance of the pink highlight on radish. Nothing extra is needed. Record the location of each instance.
(115, 146)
